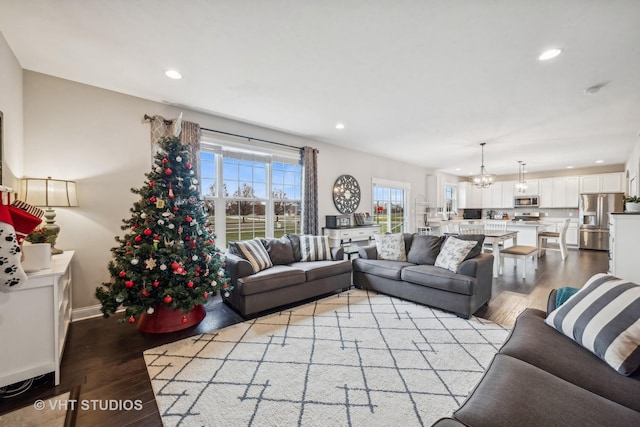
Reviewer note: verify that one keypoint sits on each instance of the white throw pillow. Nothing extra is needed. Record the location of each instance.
(453, 252)
(604, 318)
(391, 247)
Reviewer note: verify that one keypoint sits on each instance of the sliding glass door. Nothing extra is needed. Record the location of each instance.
(390, 206)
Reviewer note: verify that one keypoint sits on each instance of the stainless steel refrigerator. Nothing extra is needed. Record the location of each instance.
(593, 217)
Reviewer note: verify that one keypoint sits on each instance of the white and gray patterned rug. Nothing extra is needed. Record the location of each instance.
(353, 359)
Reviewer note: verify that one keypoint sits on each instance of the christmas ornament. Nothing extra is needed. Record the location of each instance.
(188, 219)
(147, 232)
(163, 267)
(165, 160)
(175, 265)
(129, 283)
(194, 181)
(119, 299)
(171, 195)
(194, 258)
(132, 319)
(189, 284)
(152, 199)
(160, 222)
(178, 159)
(226, 294)
(150, 310)
(145, 293)
(156, 241)
(187, 165)
(160, 204)
(184, 319)
(143, 215)
(122, 273)
(171, 226)
(151, 183)
(137, 239)
(159, 169)
(176, 209)
(135, 261)
(155, 285)
(205, 295)
(150, 264)
(168, 171)
(168, 299)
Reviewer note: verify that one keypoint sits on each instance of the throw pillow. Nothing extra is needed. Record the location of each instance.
(604, 318)
(477, 249)
(425, 249)
(453, 252)
(390, 247)
(280, 250)
(253, 251)
(295, 245)
(314, 248)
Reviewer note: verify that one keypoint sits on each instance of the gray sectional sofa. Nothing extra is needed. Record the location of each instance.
(288, 281)
(418, 280)
(542, 378)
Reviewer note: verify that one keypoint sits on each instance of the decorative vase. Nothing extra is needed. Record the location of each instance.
(632, 207)
(164, 319)
(36, 256)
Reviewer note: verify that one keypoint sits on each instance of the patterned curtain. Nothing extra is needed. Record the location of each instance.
(189, 135)
(310, 191)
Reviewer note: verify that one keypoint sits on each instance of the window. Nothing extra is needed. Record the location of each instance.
(450, 198)
(250, 193)
(390, 205)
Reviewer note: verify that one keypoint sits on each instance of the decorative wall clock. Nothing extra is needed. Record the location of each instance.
(346, 194)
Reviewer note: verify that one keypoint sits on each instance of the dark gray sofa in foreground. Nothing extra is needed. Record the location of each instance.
(289, 280)
(542, 378)
(463, 292)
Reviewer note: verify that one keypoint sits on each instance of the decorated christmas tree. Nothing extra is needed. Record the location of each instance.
(168, 255)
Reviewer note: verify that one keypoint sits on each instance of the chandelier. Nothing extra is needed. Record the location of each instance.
(484, 179)
(521, 185)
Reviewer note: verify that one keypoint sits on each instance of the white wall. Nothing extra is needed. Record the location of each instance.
(11, 106)
(99, 138)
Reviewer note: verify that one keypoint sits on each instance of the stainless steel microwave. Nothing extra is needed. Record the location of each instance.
(526, 201)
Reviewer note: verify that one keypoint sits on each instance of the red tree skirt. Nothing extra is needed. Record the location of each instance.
(165, 319)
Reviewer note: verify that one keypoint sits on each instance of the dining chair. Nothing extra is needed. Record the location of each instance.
(494, 225)
(471, 229)
(558, 240)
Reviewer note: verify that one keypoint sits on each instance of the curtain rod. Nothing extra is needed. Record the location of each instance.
(168, 122)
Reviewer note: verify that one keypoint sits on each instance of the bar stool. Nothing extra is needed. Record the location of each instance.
(559, 240)
(520, 252)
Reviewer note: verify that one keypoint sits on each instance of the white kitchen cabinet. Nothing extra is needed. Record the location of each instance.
(624, 234)
(435, 191)
(508, 191)
(561, 192)
(533, 187)
(472, 196)
(546, 192)
(572, 192)
(463, 190)
(602, 183)
(34, 319)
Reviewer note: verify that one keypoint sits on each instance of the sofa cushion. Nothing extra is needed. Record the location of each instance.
(438, 278)
(314, 248)
(452, 253)
(513, 392)
(276, 277)
(425, 249)
(280, 250)
(604, 317)
(390, 247)
(477, 249)
(315, 270)
(382, 268)
(534, 342)
(295, 245)
(254, 252)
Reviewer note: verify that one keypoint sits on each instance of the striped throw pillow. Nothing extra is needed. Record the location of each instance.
(254, 252)
(315, 248)
(604, 318)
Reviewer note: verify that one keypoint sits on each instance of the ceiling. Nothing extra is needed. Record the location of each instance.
(421, 81)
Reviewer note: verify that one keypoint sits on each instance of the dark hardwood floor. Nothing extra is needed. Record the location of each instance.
(103, 358)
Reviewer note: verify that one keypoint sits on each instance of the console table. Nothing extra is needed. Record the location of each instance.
(34, 319)
(339, 236)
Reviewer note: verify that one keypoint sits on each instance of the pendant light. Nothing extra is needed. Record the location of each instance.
(484, 179)
(521, 185)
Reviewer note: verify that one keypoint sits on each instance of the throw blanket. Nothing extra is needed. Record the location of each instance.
(564, 294)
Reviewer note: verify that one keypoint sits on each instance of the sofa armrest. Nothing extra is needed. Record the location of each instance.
(237, 267)
(481, 265)
(551, 302)
(337, 253)
(368, 252)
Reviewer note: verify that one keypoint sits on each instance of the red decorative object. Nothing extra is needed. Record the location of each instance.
(174, 265)
(188, 219)
(187, 165)
(165, 319)
(152, 199)
(147, 232)
(132, 319)
(175, 209)
(165, 160)
(156, 283)
(145, 293)
(151, 183)
(129, 283)
(137, 239)
(168, 171)
(168, 299)
(122, 273)
(189, 284)
(205, 295)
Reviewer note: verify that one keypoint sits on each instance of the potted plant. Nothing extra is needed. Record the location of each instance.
(632, 203)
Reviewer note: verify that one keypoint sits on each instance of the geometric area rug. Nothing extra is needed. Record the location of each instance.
(357, 358)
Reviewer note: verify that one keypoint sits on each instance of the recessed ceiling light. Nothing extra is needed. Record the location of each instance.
(173, 74)
(457, 169)
(548, 54)
(569, 167)
(339, 125)
(599, 161)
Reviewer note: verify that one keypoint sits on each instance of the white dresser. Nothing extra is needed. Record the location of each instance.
(338, 236)
(34, 319)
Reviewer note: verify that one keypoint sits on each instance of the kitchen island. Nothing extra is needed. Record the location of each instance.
(527, 231)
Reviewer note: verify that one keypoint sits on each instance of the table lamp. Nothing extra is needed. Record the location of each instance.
(49, 193)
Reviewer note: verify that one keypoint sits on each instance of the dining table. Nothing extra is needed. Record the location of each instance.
(496, 237)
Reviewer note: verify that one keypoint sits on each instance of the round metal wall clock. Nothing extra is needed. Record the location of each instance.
(346, 194)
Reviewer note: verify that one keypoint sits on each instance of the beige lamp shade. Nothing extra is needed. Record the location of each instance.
(49, 192)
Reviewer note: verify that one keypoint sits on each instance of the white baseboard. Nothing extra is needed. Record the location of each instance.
(88, 312)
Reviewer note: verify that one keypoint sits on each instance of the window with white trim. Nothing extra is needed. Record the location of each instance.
(250, 192)
(390, 206)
